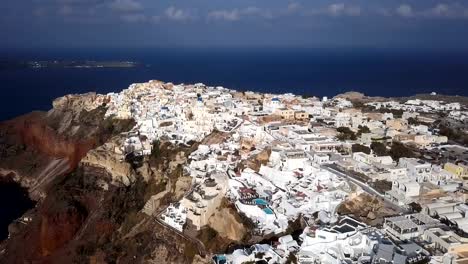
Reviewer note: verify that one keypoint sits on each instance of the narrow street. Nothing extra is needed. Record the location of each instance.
(366, 188)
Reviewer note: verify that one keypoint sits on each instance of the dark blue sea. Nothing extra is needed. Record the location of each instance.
(320, 72)
(9, 211)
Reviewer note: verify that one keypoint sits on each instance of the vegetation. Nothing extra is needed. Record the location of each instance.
(415, 207)
(360, 148)
(379, 148)
(190, 116)
(346, 134)
(259, 255)
(382, 185)
(113, 126)
(165, 124)
(413, 121)
(307, 96)
(358, 104)
(454, 135)
(363, 130)
(396, 113)
(156, 150)
(399, 150)
(291, 259)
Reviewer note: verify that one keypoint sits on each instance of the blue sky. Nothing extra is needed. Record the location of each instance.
(431, 24)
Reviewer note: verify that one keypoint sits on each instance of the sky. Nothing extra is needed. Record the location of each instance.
(424, 24)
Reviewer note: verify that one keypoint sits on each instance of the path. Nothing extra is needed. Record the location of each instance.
(366, 188)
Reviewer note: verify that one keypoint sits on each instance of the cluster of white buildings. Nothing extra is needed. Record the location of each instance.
(272, 197)
(349, 241)
(417, 105)
(270, 156)
(177, 113)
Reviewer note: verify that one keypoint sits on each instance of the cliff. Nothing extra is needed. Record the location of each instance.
(89, 200)
(40, 146)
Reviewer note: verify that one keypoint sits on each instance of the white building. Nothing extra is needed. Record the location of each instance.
(418, 170)
(175, 216)
(408, 226)
(347, 241)
(404, 191)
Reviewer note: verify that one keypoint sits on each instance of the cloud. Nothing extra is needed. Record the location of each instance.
(80, 2)
(404, 10)
(237, 14)
(176, 14)
(227, 15)
(256, 11)
(447, 11)
(293, 7)
(441, 10)
(336, 10)
(353, 11)
(126, 6)
(133, 18)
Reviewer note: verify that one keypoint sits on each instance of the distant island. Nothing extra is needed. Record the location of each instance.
(68, 64)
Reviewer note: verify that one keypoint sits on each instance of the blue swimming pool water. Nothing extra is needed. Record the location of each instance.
(259, 201)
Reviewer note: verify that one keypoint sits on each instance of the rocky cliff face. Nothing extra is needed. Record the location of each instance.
(104, 157)
(38, 147)
(90, 201)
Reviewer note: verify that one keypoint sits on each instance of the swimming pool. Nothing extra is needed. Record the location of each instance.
(259, 201)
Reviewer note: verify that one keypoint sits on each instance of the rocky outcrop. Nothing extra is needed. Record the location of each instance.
(365, 207)
(358, 98)
(352, 96)
(256, 161)
(39, 147)
(87, 101)
(228, 225)
(105, 157)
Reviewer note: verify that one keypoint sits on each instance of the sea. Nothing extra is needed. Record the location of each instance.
(311, 72)
(9, 211)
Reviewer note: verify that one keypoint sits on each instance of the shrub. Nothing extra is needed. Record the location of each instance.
(346, 134)
(399, 150)
(360, 148)
(379, 148)
(363, 130)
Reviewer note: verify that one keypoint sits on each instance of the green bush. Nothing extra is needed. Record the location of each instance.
(399, 150)
(379, 148)
(345, 134)
(360, 148)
